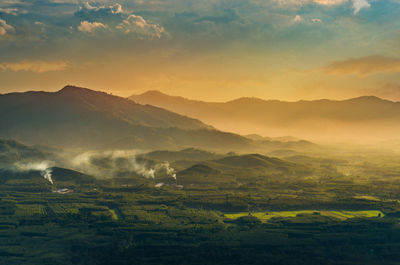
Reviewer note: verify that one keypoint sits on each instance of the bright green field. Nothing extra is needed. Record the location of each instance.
(263, 216)
(114, 215)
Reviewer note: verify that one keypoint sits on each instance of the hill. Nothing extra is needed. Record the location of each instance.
(259, 163)
(34, 180)
(252, 160)
(200, 174)
(235, 169)
(362, 118)
(63, 175)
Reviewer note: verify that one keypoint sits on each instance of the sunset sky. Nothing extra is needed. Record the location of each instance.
(212, 50)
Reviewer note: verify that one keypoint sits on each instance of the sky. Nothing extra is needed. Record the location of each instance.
(213, 50)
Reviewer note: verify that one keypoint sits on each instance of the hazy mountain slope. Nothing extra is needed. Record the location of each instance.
(258, 163)
(193, 108)
(12, 151)
(230, 169)
(363, 117)
(83, 118)
(252, 160)
(175, 138)
(186, 154)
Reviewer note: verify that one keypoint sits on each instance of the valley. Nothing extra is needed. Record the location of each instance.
(226, 205)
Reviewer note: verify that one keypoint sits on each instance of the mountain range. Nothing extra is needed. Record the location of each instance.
(366, 117)
(76, 117)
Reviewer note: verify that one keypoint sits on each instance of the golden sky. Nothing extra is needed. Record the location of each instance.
(211, 50)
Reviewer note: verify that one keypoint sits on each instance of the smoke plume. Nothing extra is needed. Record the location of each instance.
(44, 168)
(120, 163)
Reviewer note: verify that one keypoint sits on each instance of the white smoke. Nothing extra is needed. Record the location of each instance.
(168, 169)
(105, 164)
(47, 175)
(114, 163)
(143, 171)
(44, 168)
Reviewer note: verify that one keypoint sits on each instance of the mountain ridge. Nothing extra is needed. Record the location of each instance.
(82, 96)
(324, 119)
(154, 92)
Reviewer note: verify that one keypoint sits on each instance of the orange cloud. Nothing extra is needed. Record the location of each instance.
(5, 28)
(88, 27)
(34, 66)
(330, 2)
(364, 66)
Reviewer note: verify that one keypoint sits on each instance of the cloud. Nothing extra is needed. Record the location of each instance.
(113, 9)
(5, 28)
(360, 4)
(88, 27)
(357, 4)
(137, 24)
(34, 66)
(299, 3)
(330, 2)
(364, 66)
(89, 12)
(9, 11)
(114, 18)
(298, 18)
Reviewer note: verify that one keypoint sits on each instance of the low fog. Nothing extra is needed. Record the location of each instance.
(100, 164)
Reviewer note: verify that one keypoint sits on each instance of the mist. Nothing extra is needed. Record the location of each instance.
(118, 163)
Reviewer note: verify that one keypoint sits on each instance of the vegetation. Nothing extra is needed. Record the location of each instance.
(221, 209)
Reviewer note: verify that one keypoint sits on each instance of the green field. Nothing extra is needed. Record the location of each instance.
(114, 215)
(342, 215)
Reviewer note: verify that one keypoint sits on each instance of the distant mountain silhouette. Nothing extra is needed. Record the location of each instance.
(363, 117)
(76, 117)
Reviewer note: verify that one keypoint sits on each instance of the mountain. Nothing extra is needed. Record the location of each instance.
(365, 117)
(76, 117)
